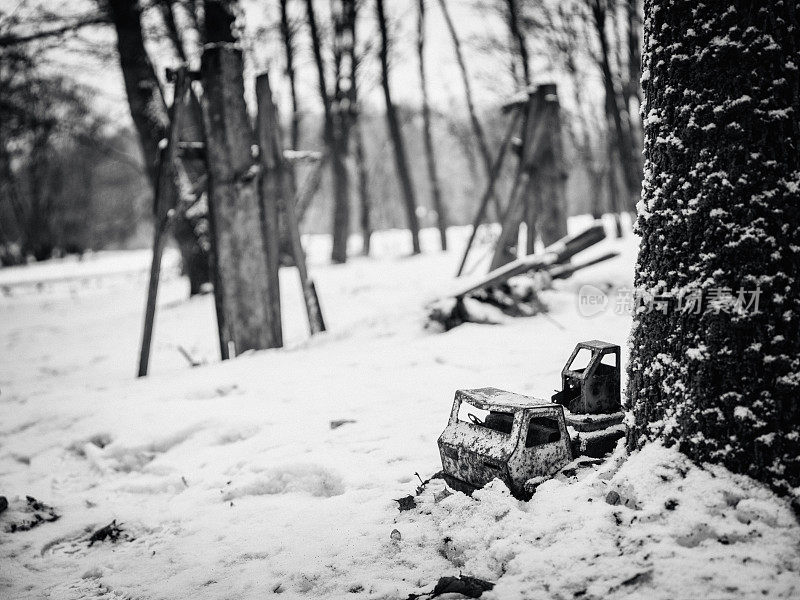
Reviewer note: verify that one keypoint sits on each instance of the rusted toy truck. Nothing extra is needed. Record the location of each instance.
(523, 440)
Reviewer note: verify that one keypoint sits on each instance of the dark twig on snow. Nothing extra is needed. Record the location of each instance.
(191, 360)
(470, 587)
(110, 532)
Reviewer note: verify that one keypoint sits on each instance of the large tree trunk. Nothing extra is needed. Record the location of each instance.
(396, 134)
(427, 136)
(720, 214)
(241, 247)
(146, 103)
(148, 112)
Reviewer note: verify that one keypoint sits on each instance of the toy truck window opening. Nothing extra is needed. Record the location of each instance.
(580, 360)
(542, 430)
(499, 421)
(609, 359)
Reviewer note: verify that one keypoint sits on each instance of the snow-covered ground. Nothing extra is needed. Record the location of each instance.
(229, 481)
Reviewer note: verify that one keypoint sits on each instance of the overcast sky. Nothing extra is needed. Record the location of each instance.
(490, 72)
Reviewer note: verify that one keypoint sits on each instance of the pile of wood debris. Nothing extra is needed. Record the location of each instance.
(513, 289)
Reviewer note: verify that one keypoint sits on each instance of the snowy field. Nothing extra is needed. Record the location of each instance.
(230, 482)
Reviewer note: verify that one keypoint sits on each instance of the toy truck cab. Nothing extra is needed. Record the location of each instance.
(590, 380)
(590, 393)
(497, 434)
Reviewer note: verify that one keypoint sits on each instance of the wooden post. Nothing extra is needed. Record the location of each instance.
(549, 176)
(273, 193)
(270, 139)
(164, 205)
(242, 288)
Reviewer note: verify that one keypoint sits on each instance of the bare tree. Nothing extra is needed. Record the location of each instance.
(288, 31)
(335, 134)
(477, 128)
(49, 26)
(365, 199)
(363, 188)
(50, 140)
(396, 133)
(623, 137)
(427, 136)
(597, 123)
(518, 36)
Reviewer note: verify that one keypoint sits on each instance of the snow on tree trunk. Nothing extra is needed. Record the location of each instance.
(719, 214)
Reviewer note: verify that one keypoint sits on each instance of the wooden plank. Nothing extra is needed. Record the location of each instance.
(269, 114)
(549, 210)
(272, 193)
(557, 253)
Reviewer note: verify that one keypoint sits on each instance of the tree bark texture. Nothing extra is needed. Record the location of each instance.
(720, 213)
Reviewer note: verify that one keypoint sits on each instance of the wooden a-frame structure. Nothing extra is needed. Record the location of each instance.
(537, 193)
(182, 180)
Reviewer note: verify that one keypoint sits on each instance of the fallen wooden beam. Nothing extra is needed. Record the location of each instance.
(492, 299)
(564, 271)
(557, 253)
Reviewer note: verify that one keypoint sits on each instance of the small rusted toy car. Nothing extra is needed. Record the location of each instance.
(523, 440)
